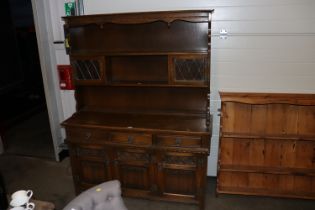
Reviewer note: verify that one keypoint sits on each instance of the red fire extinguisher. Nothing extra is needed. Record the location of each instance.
(65, 77)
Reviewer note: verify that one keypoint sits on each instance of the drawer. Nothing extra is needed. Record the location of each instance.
(131, 138)
(86, 135)
(90, 152)
(179, 141)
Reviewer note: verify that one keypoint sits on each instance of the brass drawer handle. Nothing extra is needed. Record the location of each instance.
(116, 162)
(160, 166)
(130, 139)
(88, 135)
(178, 141)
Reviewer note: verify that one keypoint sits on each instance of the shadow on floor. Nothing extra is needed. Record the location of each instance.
(31, 137)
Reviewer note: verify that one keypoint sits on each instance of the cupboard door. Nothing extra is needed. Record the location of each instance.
(189, 69)
(88, 70)
(132, 167)
(180, 173)
(92, 165)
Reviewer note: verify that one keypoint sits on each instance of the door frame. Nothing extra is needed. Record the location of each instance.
(48, 63)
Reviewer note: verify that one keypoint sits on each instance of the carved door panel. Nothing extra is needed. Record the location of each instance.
(88, 70)
(179, 173)
(132, 167)
(93, 165)
(189, 69)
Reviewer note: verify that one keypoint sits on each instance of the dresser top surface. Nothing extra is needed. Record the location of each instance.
(140, 17)
(139, 122)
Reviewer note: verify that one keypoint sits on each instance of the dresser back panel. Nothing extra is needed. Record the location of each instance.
(128, 99)
(146, 37)
(268, 119)
(137, 69)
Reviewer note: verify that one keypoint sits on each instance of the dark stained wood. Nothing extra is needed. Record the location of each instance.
(139, 122)
(142, 86)
(141, 17)
(139, 99)
(178, 74)
(115, 38)
(90, 72)
(267, 144)
(137, 69)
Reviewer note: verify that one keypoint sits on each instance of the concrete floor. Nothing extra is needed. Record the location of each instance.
(31, 137)
(52, 181)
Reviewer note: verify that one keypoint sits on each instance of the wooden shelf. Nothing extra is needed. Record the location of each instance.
(154, 85)
(267, 144)
(139, 122)
(236, 136)
(268, 98)
(268, 170)
(264, 192)
(133, 53)
(139, 18)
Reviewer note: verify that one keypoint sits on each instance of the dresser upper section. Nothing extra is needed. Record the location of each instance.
(157, 32)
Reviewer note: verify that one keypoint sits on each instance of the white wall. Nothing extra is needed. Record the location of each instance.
(44, 32)
(67, 96)
(270, 45)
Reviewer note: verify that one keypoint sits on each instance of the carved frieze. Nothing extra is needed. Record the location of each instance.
(181, 160)
(129, 156)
